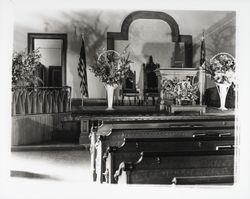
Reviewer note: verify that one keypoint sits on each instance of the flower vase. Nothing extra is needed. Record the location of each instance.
(110, 95)
(223, 90)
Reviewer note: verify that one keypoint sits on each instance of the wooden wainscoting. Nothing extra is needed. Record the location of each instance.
(32, 129)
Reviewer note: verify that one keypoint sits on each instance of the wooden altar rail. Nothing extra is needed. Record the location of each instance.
(40, 100)
(32, 129)
(163, 167)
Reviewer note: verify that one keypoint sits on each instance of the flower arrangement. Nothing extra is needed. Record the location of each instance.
(222, 68)
(24, 67)
(110, 66)
(180, 90)
(185, 91)
(168, 86)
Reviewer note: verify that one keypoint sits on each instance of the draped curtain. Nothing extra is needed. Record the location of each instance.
(41, 100)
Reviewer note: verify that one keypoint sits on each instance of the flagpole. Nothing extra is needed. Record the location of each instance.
(82, 37)
(201, 69)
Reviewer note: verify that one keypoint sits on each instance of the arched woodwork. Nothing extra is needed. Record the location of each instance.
(175, 33)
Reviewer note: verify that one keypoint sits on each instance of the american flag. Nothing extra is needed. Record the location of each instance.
(82, 71)
(203, 51)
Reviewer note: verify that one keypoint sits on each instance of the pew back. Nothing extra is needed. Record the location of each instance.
(164, 167)
(112, 133)
(130, 150)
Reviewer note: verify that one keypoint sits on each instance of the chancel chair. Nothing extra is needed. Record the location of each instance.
(151, 81)
(129, 87)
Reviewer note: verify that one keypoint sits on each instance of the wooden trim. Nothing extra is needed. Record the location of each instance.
(63, 37)
(222, 179)
(175, 32)
(188, 45)
(123, 35)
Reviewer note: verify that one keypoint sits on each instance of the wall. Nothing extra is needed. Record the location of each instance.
(32, 129)
(220, 37)
(145, 38)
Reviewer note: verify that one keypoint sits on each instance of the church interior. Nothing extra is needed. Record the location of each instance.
(161, 120)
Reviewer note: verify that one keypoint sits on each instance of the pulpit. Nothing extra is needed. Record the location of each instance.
(181, 89)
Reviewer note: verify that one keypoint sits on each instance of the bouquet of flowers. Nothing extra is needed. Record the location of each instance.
(222, 68)
(24, 67)
(185, 91)
(181, 90)
(110, 66)
(168, 86)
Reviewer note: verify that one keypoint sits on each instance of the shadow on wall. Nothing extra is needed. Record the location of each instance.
(162, 54)
(218, 38)
(221, 41)
(90, 27)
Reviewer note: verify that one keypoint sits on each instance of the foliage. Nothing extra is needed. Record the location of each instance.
(186, 91)
(24, 67)
(181, 90)
(110, 66)
(222, 68)
(168, 88)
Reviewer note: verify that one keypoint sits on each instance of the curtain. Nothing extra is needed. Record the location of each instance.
(40, 100)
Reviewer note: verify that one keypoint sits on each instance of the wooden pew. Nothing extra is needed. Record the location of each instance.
(130, 150)
(220, 179)
(113, 131)
(163, 167)
(116, 138)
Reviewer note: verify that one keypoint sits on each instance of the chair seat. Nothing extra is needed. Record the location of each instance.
(151, 94)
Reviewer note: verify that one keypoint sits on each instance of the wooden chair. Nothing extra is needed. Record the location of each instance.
(151, 81)
(129, 87)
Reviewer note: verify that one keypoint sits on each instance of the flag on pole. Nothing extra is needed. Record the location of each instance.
(82, 71)
(203, 51)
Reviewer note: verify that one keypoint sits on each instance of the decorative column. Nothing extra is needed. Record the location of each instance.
(160, 83)
(202, 80)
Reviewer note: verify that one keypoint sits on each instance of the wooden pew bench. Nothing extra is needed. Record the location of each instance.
(113, 132)
(163, 167)
(117, 136)
(206, 180)
(131, 149)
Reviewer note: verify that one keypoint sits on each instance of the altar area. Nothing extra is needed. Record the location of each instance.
(150, 107)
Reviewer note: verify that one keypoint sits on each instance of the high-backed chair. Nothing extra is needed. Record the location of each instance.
(151, 88)
(129, 87)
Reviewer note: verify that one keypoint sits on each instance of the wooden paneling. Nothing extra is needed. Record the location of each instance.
(31, 129)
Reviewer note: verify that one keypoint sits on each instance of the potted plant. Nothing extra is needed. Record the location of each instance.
(110, 67)
(24, 67)
(222, 71)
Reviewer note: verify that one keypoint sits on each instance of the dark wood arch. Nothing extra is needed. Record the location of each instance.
(175, 33)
